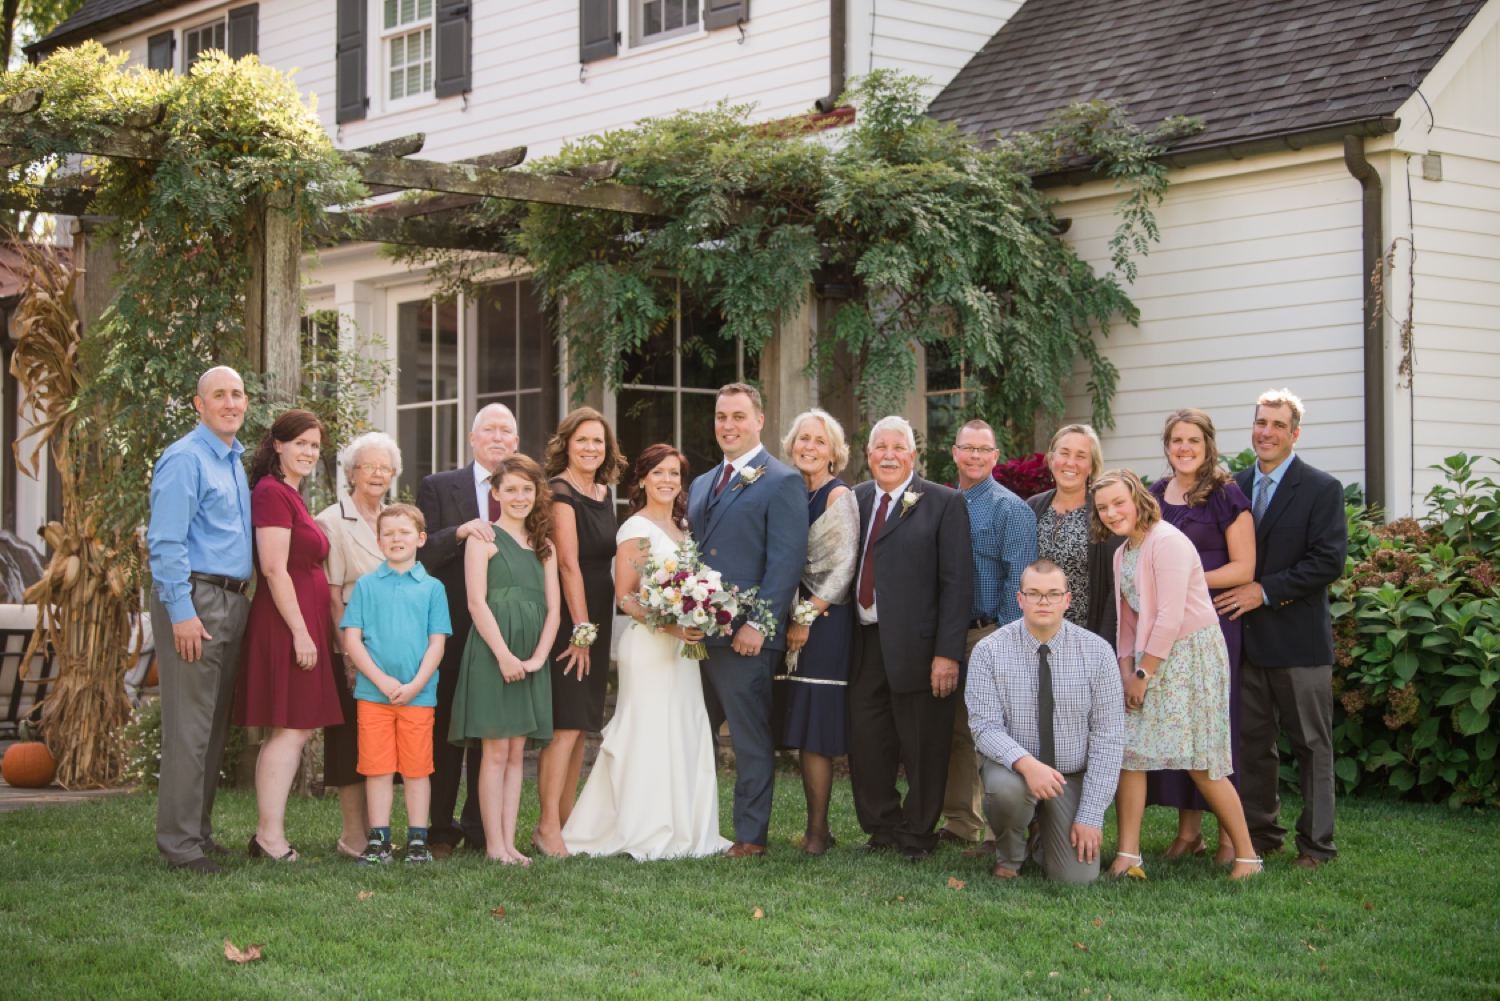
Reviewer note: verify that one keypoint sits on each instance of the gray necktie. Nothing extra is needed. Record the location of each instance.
(1044, 709)
(1262, 497)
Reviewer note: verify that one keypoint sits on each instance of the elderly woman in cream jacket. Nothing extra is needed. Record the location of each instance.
(371, 464)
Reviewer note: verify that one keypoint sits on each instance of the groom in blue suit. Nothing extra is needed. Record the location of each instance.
(749, 515)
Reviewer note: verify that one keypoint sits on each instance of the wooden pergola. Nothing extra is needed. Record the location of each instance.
(273, 308)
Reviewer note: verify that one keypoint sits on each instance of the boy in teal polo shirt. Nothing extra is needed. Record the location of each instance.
(394, 629)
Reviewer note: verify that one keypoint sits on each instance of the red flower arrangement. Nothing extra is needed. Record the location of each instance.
(1025, 476)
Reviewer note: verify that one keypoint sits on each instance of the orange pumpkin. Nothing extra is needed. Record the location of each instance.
(28, 765)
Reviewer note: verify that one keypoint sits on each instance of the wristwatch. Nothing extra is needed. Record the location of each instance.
(1141, 673)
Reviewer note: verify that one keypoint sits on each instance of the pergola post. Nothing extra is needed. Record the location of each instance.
(273, 298)
(783, 371)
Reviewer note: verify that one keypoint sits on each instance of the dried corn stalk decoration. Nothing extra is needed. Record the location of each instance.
(87, 601)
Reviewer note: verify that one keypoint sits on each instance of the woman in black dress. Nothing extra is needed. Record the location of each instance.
(582, 461)
(810, 697)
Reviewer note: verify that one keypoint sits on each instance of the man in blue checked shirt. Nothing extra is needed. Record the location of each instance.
(1002, 528)
(200, 545)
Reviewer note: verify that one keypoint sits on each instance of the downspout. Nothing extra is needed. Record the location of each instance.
(1374, 333)
(838, 11)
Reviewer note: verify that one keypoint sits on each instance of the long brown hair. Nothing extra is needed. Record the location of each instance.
(1210, 476)
(290, 426)
(555, 459)
(649, 460)
(1147, 511)
(539, 522)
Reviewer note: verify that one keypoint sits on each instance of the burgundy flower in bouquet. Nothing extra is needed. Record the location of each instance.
(1025, 476)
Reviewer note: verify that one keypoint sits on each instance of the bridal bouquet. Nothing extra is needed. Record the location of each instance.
(680, 591)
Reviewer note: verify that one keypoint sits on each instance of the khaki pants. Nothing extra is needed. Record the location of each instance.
(963, 799)
(1010, 807)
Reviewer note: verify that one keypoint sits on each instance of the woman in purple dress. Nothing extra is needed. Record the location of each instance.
(1202, 501)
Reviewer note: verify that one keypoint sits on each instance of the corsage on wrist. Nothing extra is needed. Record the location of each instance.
(584, 634)
(805, 613)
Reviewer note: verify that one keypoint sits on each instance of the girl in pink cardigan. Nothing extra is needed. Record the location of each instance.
(1174, 666)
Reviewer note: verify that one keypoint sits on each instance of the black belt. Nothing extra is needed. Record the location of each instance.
(982, 623)
(231, 584)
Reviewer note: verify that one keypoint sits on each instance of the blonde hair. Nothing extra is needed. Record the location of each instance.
(837, 444)
(1210, 475)
(1147, 511)
(1282, 398)
(408, 511)
(1095, 449)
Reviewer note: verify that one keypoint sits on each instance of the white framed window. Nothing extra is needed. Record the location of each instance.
(199, 39)
(407, 50)
(429, 372)
(655, 20)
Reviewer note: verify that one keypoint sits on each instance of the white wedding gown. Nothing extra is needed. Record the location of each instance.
(653, 792)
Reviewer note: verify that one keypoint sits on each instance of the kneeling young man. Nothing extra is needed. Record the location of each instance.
(394, 631)
(1048, 715)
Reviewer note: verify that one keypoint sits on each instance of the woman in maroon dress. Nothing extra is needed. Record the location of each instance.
(286, 673)
(1201, 500)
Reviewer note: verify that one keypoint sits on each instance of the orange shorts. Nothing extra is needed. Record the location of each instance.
(395, 739)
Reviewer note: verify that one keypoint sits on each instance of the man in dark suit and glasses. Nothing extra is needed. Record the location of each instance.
(1286, 677)
(914, 596)
(458, 507)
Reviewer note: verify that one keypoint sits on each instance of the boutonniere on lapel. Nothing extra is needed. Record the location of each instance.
(749, 475)
(909, 501)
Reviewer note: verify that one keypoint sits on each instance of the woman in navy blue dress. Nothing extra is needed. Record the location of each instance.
(1205, 504)
(810, 696)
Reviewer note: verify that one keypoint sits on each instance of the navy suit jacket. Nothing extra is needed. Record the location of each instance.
(754, 534)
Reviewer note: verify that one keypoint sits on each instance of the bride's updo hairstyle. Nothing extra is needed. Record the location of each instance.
(648, 460)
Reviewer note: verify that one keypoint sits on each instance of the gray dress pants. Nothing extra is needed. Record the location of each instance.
(196, 701)
(1009, 807)
(1298, 700)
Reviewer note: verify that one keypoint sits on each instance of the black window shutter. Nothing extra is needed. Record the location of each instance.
(453, 47)
(350, 101)
(725, 13)
(159, 52)
(244, 31)
(598, 30)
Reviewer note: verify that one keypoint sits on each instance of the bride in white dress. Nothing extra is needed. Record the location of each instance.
(653, 792)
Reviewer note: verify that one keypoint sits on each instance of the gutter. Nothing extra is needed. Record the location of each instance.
(1374, 333)
(1239, 149)
(838, 31)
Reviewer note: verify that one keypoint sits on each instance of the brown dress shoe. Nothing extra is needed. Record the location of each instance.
(441, 850)
(946, 835)
(741, 849)
(1307, 862)
(1001, 871)
(985, 848)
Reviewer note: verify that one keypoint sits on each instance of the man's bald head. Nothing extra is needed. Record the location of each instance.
(221, 401)
(208, 379)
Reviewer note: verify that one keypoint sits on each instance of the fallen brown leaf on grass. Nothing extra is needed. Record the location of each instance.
(366, 894)
(956, 884)
(1369, 906)
(250, 953)
(757, 914)
(498, 912)
(1080, 945)
(1310, 946)
(1098, 923)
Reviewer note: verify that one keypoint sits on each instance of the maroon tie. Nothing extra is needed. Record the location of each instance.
(867, 572)
(494, 507)
(724, 480)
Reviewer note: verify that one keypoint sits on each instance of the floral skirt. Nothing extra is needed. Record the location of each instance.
(1184, 723)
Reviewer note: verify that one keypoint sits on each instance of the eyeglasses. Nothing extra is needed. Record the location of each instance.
(373, 470)
(1044, 597)
(976, 449)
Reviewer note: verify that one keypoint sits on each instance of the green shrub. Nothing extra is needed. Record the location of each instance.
(1417, 647)
(141, 742)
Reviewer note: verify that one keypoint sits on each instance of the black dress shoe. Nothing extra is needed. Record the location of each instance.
(199, 864)
(214, 848)
(916, 854)
(872, 846)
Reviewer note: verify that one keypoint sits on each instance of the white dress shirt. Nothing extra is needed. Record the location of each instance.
(482, 489)
(736, 464)
(870, 616)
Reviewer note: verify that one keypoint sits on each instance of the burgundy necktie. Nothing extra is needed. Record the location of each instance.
(867, 572)
(724, 480)
(494, 507)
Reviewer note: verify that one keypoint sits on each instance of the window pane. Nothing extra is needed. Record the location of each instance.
(496, 340)
(700, 339)
(535, 428)
(534, 337)
(390, 13)
(219, 36)
(398, 51)
(414, 352)
(651, 364)
(413, 80)
(752, 367)
(414, 435)
(447, 437)
(424, 8)
(943, 411)
(698, 440)
(642, 418)
(692, 11)
(942, 369)
(651, 18)
(447, 352)
(408, 11)
(673, 18)
(397, 84)
(427, 44)
(427, 76)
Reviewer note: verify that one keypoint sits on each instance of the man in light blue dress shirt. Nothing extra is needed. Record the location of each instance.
(1002, 529)
(200, 543)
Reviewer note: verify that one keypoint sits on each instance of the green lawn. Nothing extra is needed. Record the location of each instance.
(1411, 909)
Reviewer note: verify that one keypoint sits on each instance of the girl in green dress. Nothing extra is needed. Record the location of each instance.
(504, 690)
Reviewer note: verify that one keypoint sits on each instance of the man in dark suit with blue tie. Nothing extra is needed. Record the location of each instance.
(1286, 675)
(749, 517)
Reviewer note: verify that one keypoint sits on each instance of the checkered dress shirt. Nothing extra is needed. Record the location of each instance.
(1003, 530)
(1088, 700)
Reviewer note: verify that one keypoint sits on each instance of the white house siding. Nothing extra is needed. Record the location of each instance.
(1255, 284)
(931, 38)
